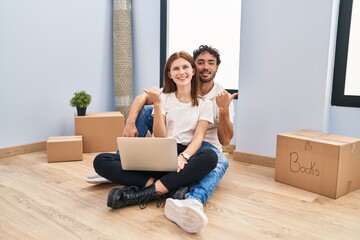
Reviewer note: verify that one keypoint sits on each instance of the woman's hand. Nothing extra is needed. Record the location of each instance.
(154, 94)
(181, 163)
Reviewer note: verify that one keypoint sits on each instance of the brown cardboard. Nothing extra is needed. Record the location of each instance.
(65, 148)
(318, 162)
(99, 130)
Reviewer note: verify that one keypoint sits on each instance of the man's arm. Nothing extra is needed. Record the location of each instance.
(130, 129)
(225, 129)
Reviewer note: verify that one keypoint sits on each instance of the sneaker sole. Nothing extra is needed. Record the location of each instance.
(97, 180)
(189, 219)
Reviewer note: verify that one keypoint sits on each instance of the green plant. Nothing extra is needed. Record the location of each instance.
(81, 99)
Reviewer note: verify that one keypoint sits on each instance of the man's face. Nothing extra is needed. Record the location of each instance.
(207, 67)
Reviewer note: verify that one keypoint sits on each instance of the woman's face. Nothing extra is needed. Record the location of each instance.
(181, 72)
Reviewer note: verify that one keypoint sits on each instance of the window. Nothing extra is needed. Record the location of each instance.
(187, 24)
(346, 82)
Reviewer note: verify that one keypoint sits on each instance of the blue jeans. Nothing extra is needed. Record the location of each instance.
(145, 120)
(201, 190)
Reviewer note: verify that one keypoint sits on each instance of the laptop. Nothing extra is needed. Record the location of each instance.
(148, 153)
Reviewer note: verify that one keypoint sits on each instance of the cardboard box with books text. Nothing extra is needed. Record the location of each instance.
(318, 162)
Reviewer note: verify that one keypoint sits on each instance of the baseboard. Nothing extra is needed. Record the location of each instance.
(22, 149)
(254, 159)
(237, 156)
(229, 148)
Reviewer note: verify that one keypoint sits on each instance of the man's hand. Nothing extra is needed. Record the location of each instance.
(224, 99)
(130, 130)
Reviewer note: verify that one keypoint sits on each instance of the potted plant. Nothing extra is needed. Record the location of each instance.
(80, 100)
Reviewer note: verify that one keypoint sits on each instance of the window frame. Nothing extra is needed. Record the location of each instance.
(342, 45)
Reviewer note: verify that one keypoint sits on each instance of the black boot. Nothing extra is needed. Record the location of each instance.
(178, 193)
(121, 197)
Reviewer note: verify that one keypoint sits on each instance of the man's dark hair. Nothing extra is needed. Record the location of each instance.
(209, 49)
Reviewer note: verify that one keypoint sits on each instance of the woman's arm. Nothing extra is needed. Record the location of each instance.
(195, 144)
(198, 138)
(159, 126)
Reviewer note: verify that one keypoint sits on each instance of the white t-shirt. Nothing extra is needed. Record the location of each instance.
(211, 134)
(182, 118)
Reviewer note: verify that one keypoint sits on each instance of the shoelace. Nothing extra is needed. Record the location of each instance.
(160, 197)
(126, 189)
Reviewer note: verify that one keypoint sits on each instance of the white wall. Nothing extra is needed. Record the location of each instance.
(48, 50)
(345, 121)
(46, 55)
(146, 44)
(284, 79)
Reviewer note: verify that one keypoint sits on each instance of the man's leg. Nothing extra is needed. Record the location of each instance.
(145, 120)
(203, 189)
(189, 212)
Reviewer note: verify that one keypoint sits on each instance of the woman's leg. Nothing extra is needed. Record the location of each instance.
(108, 165)
(198, 166)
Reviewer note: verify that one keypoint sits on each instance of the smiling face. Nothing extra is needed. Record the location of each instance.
(181, 72)
(207, 67)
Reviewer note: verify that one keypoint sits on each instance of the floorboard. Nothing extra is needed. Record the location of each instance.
(40, 200)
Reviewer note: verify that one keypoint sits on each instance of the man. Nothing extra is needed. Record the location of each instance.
(188, 213)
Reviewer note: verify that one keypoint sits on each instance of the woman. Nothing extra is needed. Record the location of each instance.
(179, 113)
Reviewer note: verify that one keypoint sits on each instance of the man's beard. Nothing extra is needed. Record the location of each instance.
(208, 79)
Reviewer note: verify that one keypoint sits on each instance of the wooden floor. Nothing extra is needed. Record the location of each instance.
(40, 200)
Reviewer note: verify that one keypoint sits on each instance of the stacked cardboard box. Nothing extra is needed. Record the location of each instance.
(95, 132)
(99, 130)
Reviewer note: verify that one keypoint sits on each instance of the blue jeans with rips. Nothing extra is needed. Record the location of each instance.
(203, 189)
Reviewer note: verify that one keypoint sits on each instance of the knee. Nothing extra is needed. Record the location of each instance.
(144, 113)
(223, 161)
(144, 120)
(211, 157)
(98, 161)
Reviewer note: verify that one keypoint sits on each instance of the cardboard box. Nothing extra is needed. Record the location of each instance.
(318, 162)
(66, 148)
(99, 130)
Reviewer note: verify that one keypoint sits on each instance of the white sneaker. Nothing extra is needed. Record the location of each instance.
(97, 179)
(188, 214)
